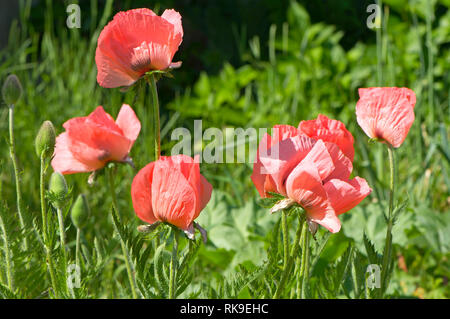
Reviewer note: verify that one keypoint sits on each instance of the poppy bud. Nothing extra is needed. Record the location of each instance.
(12, 89)
(45, 140)
(80, 212)
(58, 189)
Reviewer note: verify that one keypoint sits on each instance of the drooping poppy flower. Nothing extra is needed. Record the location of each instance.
(171, 190)
(135, 42)
(329, 130)
(312, 173)
(386, 113)
(92, 141)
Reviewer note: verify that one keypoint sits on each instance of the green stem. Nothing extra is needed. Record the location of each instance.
(77, 248)
(379, 48)
(429, 42)
(48, 253)
(155, 107)
(290, 259)
(173, 267)
(388, 243)
(62, 239)
(12, 153)
(285, 229)
(304, 263)
(126, 256)
(62, 232)
(8, 256)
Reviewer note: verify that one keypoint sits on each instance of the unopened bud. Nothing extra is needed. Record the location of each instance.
(45, 140)
(12, 89)
(58, 190)
(80, 212)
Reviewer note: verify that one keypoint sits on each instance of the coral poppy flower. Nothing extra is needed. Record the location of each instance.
(312, 173)
(92, 141)
(135, 42)
(386, 113)
(329, 130)
(170, 190)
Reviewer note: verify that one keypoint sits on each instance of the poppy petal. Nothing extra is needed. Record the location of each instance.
(386, 113)
(344, 195)
(141, 194)
(304, 185)
(173, 198)
(128, 122)
(64, 162)
(329, 130)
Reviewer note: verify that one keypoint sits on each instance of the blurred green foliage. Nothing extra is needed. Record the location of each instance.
(248, 64)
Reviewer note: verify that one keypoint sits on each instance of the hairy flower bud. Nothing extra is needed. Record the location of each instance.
(80, 212)
(58, 190)
(45, 140)
(12, 89)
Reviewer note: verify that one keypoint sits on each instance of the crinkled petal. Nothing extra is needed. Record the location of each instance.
(64, 162)
(386, 113)
(173, 198)
(128, 122)
(329, 130)
(304, 185)
(344, 195)
(282, 157)
(141, 194)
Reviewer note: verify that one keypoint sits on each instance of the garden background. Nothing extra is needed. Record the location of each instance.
(246, 63)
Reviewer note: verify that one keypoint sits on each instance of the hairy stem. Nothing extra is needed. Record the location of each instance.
(12, 153)
(155, 120)
(173, 267)
(48, 253)
(77, 248)
(290, 259)
(8, 256)
(387, 254)
(304, 267)
(126, 256)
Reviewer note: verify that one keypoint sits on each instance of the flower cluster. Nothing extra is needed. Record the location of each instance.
(311, 165)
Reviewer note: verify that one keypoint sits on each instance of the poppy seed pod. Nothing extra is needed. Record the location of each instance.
(12, 89)
(58, 189)
(80, 212)
(45, 140)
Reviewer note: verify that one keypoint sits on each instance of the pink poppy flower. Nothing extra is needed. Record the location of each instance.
(135, 42)
(92, 141)
(386, 113)
(329, 130)
(170, 190)
(312, 173)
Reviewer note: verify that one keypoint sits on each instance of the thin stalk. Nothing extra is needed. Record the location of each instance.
(122, 243)
(77, 248)
(285, 230)
(8, 257)
(173, 267)
(429, 42)
(48, 254)
(155, 107)
(62, 239)
(62, 232)
(290, 259)
(12, 153)
(388, 243)
(304, 268)
(379, 49)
